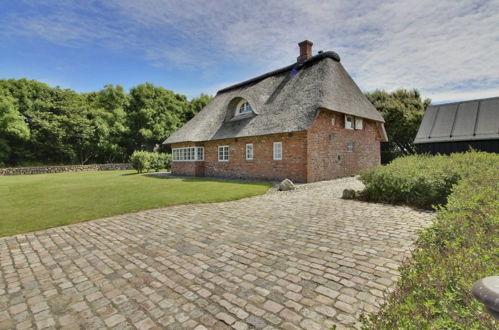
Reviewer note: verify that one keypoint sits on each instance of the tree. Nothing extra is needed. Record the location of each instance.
(403, 111)
(40, 124)
(195, 105)
(109, 120)
(153, 114)
(13, 127)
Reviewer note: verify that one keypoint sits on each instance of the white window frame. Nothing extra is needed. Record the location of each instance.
(223, 154)
(349, 124)
(277, 156)
(243, 107)
(350, 147)
(358, 123)
(188, 154)
(249, 155)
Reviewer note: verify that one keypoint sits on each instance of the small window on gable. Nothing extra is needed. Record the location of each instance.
(243, 107)
(358, 123)
(249, 151)
(277, 150)
(349, 123)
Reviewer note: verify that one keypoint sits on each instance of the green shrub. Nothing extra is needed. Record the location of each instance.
(421, 180)
(140, 161)
(145, 161)
(458, 249)
(160, 161)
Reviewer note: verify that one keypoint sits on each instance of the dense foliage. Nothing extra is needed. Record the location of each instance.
(146, 161)
(422, 180)
(460, 248)
(402, 111)
(44, 125)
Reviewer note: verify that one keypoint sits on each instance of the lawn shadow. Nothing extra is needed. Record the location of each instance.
(134, 173)
(168, 175)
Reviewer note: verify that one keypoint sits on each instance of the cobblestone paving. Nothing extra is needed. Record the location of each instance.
(302, 259)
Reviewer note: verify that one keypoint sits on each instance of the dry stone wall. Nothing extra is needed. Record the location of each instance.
(63, 168)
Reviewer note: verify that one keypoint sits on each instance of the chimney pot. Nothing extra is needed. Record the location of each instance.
(305, 50)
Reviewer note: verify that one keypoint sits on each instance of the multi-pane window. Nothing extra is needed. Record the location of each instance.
(223, 153)
(349, 122)
(277, 150)
(188, 154)
(352, 122)
(200, 153)
(249, 151)
(350, 147)
(243, 107)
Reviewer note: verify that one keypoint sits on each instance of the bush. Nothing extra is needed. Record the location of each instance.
(160, 161)
(422, 180)
(457, 250)
(145, 161)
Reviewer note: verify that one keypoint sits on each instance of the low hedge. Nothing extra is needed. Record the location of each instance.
(422, 180)
(461, 247)
(145, 161)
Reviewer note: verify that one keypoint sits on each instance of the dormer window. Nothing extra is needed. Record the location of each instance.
(243, 107)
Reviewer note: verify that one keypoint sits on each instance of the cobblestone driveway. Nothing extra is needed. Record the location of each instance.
(303, 259)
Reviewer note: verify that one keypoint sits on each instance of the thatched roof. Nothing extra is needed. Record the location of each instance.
(460, 121)
(284, 100)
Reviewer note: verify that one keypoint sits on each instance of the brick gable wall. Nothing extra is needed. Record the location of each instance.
(318, 154)
(328, 155)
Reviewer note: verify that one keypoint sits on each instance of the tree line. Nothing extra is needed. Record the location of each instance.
(40, 124)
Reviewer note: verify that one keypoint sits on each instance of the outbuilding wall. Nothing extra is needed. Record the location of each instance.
(446, 148)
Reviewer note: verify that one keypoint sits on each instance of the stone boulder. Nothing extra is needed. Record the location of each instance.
(349, 194)
(286, 185)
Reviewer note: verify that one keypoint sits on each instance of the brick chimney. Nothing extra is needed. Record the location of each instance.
(305, 50)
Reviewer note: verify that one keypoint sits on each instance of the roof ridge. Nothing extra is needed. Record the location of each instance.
(465, 101)
(297, 65)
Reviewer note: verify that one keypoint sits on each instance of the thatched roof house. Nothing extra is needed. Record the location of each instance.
(284, 101)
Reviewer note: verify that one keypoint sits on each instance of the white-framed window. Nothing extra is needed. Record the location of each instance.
(350, 147)
(188, 154)
(277, 150)
(243, 107)
(358, 123)
(249, 151)
(349, 122)
(223, 153)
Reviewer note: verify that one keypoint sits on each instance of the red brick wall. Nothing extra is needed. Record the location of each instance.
(188, 168)
(328, 156)
(319, 154)
(292, 165)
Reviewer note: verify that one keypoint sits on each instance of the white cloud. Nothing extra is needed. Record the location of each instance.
(459, 95)
(444, 48)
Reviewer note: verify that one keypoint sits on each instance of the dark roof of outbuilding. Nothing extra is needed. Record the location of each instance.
(284, 100)
(460, 121)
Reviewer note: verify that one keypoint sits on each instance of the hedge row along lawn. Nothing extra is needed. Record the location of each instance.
(461, 247)
(34, 202)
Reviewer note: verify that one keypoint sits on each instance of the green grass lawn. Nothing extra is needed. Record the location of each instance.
(34, 202)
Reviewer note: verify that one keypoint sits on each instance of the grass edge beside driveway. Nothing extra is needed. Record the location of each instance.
(35, 202)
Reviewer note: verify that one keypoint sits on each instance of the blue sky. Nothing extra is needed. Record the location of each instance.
(448, 49)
